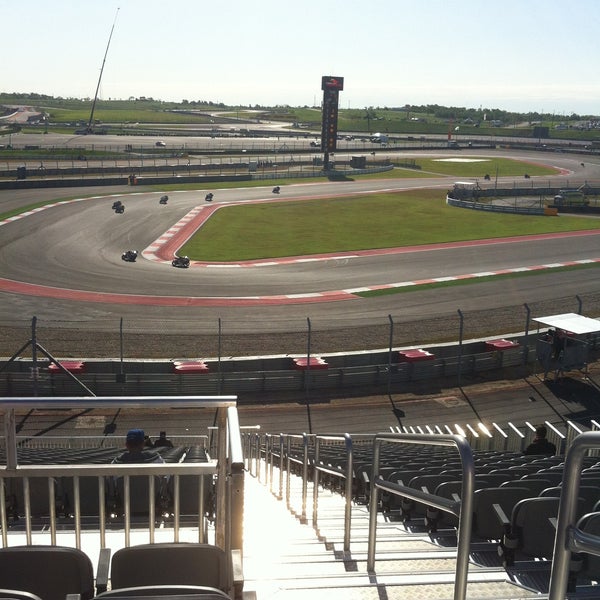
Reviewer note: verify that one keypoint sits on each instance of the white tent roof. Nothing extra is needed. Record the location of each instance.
(571, 322)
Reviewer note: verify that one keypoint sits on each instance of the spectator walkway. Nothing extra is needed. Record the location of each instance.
(285, 559)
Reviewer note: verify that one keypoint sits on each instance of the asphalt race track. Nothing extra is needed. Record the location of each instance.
(63, 264)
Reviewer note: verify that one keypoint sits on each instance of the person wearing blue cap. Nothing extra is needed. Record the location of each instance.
(136, 451)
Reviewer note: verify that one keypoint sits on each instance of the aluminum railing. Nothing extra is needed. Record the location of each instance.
(462, 508)
(569, 538)
(346, 474)
(227, 467)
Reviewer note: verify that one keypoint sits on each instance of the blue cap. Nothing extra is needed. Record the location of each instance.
(135, 436)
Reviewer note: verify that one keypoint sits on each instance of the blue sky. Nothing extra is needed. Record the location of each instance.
(522, 55)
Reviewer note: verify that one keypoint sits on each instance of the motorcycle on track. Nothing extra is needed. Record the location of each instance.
(276, 189)
(163, 199)
(118, 207)
(129, 256)
(209, 197)
(181, 262)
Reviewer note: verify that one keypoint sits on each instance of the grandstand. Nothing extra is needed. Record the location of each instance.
(430, 512)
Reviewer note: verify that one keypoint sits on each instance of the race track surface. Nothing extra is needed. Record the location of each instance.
(63, 264)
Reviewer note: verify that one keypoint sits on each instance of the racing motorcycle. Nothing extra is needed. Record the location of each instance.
(163, 199)
(118, 206)
(209, 197)
(276, 189)
(182, 262)
(129, 255)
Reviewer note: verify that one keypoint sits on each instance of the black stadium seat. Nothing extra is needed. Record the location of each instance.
(50, 572)
(173, 564)
(17, 595)
(172, 591)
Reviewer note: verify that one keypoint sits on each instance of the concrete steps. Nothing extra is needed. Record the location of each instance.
(287, 559)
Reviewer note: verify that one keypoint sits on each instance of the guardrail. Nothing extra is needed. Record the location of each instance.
(461, 509)
(227, 467)
(302, 453)
(350, 371)
(569, 538)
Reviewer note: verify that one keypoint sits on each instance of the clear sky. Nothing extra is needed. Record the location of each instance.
(521, 55)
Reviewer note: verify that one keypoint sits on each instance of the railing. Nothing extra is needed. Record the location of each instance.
(96, 441)
(569, 538)
(346, 474)
(462, 508)
(300, 458)
(227, 467)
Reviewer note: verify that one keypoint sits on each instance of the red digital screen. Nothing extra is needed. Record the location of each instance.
(329, 82)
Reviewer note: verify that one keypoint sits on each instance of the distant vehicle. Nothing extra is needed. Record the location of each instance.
(181, 262)
(163, 199)
(379, 138)
(571, 198)
(276, 189)
(129, 256)
(208, 197)
(118, 207)
(315, 144)
(161, 144)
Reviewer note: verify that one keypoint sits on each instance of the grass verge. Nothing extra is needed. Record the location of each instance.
(386, 220)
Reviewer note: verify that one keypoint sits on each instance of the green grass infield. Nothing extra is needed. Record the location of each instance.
(387, 220)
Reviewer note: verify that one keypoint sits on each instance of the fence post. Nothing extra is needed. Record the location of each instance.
(307, 376)
(219, 386)
(460, 344)
(527, 321)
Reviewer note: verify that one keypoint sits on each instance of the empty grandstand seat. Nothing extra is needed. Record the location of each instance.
(590, 523)
(174, 591)
(536, 486)
(486, 524)
(175, 563)
(88, 496)
(39, 496)
(139, 492)
(50, 572)
(554, 476)
(588, 496)
(531, 531)
(17, 595)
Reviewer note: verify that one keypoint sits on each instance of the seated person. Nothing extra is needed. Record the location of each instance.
(540, 444)
(163, 441)
(136, 451)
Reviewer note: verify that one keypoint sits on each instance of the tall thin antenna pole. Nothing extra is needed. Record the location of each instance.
(89, 127)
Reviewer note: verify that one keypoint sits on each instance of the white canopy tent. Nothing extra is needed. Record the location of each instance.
(564, 351)
(571, 323)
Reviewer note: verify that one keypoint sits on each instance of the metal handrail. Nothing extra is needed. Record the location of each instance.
(102, 473)
(289, 459)
(463, 509)
(569, 538)
(228, 467)
(346, 474)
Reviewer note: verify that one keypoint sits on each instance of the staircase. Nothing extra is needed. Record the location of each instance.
(286, 559)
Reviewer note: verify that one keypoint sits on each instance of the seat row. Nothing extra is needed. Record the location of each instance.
(39, 496)
(54, 572)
